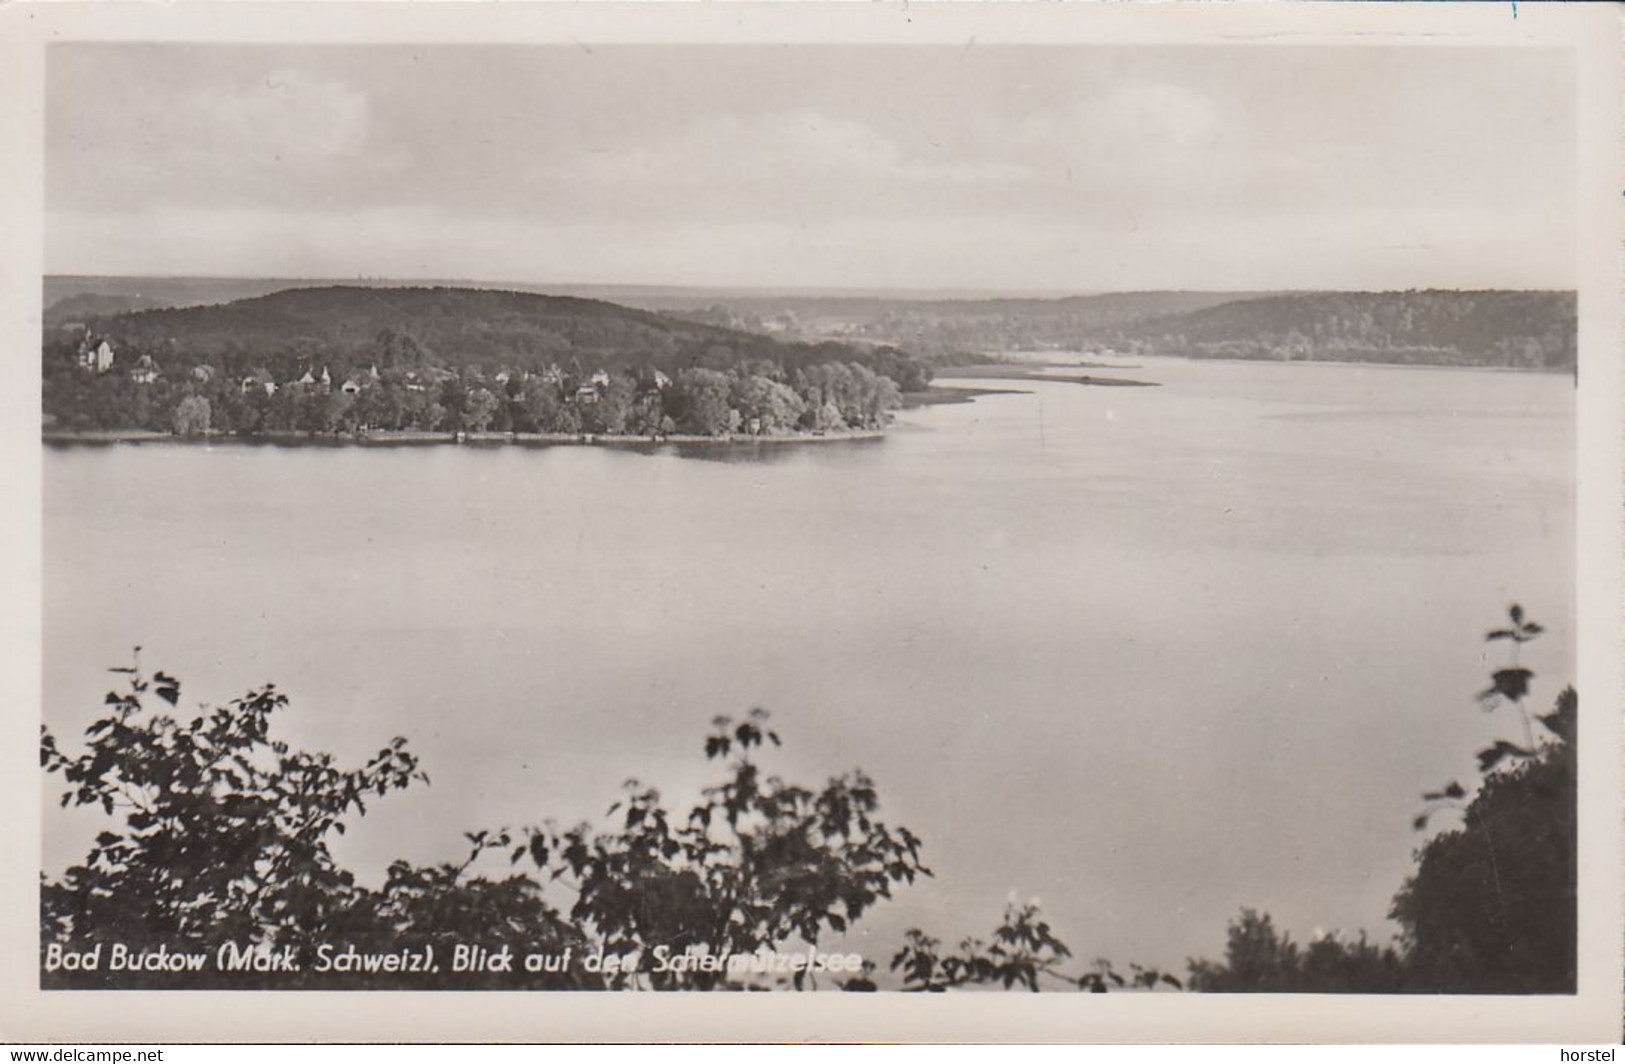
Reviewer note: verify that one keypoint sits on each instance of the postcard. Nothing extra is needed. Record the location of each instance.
(1065, 522)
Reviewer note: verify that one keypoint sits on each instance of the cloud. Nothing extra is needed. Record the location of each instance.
(283, 136)
(1032, 168)
(289, 115)
(798, 163)
(1382, 248)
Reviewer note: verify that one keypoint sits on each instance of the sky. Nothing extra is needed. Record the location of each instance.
(1014, 168)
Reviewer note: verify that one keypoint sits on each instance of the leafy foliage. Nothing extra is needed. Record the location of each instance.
(1022, 954)
(756, 862)
(1491, 906)
(1260, 959)
(223, 837)
(223, 831)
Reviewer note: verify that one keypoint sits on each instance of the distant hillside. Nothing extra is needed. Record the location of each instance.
(71, 298)
(1533, 330)
(1494, 328)
(1482, 328)
(73, 311)
(952, 327)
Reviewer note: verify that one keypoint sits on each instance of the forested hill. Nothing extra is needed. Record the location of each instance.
(454, 328)
(345, 359)
(1529, 329)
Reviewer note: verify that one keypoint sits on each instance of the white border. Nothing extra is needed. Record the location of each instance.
(1592, 31)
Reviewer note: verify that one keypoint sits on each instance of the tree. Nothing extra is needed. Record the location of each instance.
(703, 397)
(1259, 959)
(609, 415)
(191, 416)
(1023, 954)
(756, 864)
(1491, 907)
(222, 833)
(546, 411)
(480, 407)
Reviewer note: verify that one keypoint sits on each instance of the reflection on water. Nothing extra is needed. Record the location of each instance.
(1149, 654)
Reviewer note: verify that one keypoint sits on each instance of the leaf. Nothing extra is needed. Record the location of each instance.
(1516, 613)
(1508, 683)
(1420, 822)
(1489, 757)
(169, 688)
(538, 850)
(1171, 981)
(1500, 633)
(1560, 721)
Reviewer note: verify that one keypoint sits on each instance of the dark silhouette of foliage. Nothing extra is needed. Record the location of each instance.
(222, 843)
(1023, 953)
(1260, 959)
(223, 831)
(756, 863)
(1491, 906)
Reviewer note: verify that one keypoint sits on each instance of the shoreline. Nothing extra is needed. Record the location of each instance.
(1010, 372)
(412, 437)
(979, 370)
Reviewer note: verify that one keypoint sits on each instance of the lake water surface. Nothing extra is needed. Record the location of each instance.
(1150, 655)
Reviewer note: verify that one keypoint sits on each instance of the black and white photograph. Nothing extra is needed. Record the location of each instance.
(940, 504)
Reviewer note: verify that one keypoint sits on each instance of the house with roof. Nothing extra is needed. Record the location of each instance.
(145, 371)
(98, 357)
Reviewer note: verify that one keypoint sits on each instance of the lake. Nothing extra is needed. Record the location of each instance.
(1147, 654)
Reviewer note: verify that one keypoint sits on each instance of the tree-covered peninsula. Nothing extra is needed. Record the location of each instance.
(357, 360)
